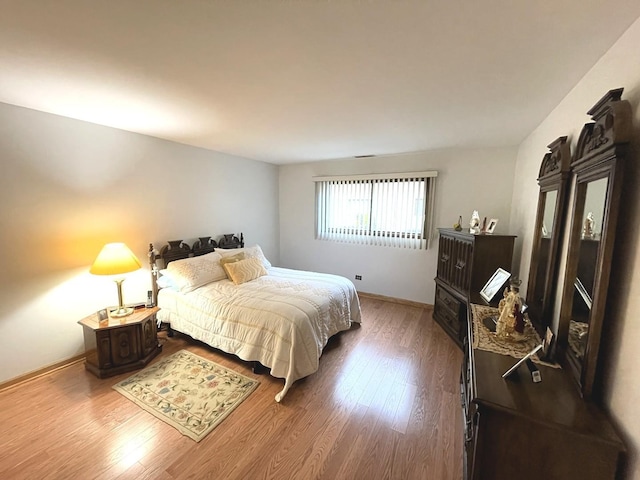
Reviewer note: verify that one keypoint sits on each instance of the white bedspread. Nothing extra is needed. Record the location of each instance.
(283, 319)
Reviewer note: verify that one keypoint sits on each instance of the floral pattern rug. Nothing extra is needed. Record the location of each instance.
(190, 393)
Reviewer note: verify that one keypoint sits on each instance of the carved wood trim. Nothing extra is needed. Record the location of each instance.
(177, 250)
(611, 125)
(229, 240)
(174, 250)
(203, 246)
(557, 161)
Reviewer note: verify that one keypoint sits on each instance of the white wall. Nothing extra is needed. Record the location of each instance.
(479, 179)
(68, 187)
(619, 67)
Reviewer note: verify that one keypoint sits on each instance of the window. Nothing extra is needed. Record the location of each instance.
(390, 210)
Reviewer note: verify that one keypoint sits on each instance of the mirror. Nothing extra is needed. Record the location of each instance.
(582, 302)
(597, 169)
(546, 237)
(553, 180)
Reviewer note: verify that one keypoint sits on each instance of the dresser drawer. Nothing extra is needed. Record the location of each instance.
(448, 320)
(450, 313)
(448, 301)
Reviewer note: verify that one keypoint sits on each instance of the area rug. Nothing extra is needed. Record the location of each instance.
(190, 393)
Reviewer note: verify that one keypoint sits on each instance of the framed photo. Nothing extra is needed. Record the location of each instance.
(547, 346)
(520, 362)
(491, 226)
(494, 285)
(103, 315)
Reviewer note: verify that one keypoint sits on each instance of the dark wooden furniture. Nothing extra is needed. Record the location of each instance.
(517, 429)
(547, 235)
(598, 166)
(120, 345)
(177, 250)
(465, 263)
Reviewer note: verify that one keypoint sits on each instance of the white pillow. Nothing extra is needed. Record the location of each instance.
(249, 252)
(191, 273)
(166, 280)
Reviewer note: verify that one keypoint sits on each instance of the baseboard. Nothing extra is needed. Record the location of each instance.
(40, 372)
(395, 300)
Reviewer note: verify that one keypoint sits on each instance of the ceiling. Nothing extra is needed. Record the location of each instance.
(285, 81)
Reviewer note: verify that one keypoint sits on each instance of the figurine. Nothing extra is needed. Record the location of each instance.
(458, 226)
(511, 323)
(474, 224)
(587, 227)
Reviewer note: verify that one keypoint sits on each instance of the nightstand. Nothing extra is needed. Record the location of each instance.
(119, 345)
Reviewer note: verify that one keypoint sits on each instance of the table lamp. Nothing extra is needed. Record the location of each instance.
(116, 259)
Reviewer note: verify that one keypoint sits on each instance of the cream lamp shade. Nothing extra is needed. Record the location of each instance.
(116, 259)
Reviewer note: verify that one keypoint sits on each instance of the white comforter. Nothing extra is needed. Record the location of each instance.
(283, 319)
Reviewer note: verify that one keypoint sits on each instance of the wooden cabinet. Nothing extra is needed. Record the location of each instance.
(519, 429)
(120, 345)
(465, 263)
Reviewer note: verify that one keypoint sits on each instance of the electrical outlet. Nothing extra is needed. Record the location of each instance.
(358, 277)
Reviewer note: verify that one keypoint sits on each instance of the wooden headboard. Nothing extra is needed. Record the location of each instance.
(177, 250)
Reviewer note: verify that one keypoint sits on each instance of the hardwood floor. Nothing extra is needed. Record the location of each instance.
(385, 404)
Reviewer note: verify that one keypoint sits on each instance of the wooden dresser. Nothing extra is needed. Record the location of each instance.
(517, 429)
(465, 263)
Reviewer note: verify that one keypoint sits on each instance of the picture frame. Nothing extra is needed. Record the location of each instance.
(103, 315)
(524, 359)
(491, 226)
(548, 346)
(494, 284)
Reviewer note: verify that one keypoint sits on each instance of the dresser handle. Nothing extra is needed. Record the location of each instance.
(468, 432)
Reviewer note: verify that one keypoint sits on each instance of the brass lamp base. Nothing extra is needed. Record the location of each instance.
(121, 312)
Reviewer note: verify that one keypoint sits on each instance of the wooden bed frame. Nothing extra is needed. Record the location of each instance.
(177, 250)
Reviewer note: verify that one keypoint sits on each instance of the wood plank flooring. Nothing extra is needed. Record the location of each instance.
(385, 404)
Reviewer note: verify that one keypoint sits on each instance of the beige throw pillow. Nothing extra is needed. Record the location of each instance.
(254, 251)
(232, 259)
(245, 270)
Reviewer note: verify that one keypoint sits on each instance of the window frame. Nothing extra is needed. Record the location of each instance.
(370, 235)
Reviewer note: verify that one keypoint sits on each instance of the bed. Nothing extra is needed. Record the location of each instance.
(230, 297)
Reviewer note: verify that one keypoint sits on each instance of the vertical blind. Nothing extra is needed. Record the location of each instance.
(393, 210)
